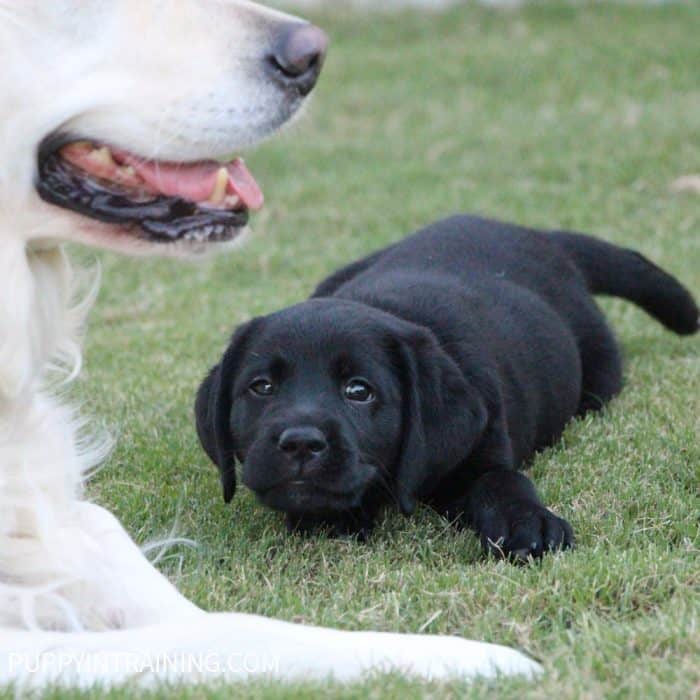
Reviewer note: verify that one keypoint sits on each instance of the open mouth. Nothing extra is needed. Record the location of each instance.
(158, 200)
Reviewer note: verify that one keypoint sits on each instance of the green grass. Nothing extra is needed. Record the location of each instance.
(551, 116)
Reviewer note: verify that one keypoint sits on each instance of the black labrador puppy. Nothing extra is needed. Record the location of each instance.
(430, 372)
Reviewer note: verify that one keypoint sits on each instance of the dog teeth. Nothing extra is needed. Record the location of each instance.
(232, 201)
(207, 233)
(103, 156)
(218, 194)
(126, 174)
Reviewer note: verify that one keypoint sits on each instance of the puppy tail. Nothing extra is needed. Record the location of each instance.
(621, 272)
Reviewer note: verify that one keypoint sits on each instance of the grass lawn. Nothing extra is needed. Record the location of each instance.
(548, 116)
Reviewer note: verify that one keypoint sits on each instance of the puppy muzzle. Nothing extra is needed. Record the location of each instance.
(309, 467)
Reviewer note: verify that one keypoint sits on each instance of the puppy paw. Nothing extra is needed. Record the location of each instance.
(522, 530)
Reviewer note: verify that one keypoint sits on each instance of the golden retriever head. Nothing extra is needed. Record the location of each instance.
(121, 120)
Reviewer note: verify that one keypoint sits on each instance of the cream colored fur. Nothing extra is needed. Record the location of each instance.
(178, 80)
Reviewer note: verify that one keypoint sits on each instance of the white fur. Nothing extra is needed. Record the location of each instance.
(180, 80)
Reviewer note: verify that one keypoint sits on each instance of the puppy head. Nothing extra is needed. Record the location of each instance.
(329, 400)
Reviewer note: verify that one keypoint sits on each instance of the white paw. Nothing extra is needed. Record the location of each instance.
(441, 658)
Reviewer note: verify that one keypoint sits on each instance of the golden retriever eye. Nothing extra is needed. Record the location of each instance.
(262, 387)
(359, 391)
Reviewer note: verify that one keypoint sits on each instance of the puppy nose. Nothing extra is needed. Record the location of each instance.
(305, 441)
(298, 57)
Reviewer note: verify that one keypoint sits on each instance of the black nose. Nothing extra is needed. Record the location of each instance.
(302, 442)
(298, 57)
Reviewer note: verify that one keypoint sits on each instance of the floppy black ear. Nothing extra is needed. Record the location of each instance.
(444, 416)
(213, 410)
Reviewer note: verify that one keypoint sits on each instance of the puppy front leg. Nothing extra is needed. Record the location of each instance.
(505, 510)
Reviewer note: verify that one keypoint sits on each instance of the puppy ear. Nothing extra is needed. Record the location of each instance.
(213, 410)
(444, 416)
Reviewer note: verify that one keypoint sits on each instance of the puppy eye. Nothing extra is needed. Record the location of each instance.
(359, 391)
(262, 387)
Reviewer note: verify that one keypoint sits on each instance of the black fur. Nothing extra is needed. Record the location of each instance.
(479, 340)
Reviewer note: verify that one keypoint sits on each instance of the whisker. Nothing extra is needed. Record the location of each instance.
(384, 479)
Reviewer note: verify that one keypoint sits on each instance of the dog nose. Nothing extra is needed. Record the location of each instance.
(302, 442)
(298, 57)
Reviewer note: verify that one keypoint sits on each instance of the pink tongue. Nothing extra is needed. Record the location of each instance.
(196, 182)
(242, 183)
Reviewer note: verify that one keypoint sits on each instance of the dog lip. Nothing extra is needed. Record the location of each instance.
(308, 484)
(54, 143)
(148, 216)
(305, 495)
(280, 485)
